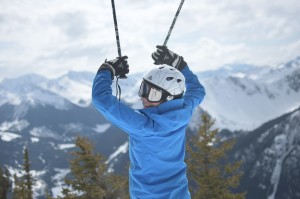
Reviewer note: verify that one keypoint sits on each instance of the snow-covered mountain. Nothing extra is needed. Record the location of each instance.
(238, 96)
(70, 88)
(244, 97)
(49, 134)
(46, 114)
(271, 158)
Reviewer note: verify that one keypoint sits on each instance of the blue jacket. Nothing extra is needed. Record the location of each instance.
(156, 137)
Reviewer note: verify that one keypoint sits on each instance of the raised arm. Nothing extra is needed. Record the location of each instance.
(195, 92)
(121, 115)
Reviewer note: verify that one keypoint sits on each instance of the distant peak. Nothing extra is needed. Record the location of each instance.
(79, 75)
(24, 80)
(291, 64)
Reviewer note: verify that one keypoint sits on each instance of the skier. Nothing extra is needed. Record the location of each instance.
(156, 132)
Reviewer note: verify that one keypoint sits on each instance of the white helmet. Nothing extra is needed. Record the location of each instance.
(162, 83)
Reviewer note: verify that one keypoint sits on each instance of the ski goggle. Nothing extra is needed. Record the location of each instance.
(151, 93)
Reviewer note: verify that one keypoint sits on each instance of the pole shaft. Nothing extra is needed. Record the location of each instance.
(116, 28)
(173, 23)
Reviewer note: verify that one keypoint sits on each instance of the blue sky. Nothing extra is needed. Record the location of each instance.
(53, 37)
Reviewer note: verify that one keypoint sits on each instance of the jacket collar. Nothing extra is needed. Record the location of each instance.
(164, 107)
(170, 105)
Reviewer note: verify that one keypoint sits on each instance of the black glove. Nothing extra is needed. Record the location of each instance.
(118, 67)
(164, 56)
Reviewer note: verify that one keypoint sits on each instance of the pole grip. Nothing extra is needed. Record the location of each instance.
(123, 76)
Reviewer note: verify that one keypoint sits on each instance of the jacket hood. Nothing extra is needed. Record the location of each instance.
(167, 115)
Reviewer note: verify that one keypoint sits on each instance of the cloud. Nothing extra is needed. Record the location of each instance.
(72, 24)
(52, 37)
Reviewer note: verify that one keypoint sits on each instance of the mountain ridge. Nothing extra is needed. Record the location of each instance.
(30, 115)
(274, 91)
(269, 153)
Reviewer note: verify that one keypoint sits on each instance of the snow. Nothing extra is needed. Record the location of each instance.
(34, 139)
(121, 149)
(244, 103)
(42, 159)
(58, 180)
(21, 110)
(78, 92)
(28, 88)
(101, 128)
(239, 75)
(61, 173)
(281, 148)
(43, 132)
(239, 96)
(66, 146)
(73, 126)
(9, 97)
(263, 136)
(7, 137)
(16, 125)
(47, 98)
(129, 90)
(275, 178)
(39, 185)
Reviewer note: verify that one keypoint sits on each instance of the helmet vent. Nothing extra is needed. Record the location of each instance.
(165, 79)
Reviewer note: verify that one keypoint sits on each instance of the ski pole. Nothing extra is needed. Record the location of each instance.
(173, 23)
(123, 76)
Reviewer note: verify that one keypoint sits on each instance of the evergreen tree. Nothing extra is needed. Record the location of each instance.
(5, 183)
(28, 180)
(23, 184)
(211, 176)
(89, 177)
(19, 188)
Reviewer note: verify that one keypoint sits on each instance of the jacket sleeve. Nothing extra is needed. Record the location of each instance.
(121, 115)
(195, 92)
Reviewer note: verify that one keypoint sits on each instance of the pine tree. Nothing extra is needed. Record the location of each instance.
(28, 180)
(211, 176)
(5, 183)
(89, 177)
(19, 188)
(23, 184)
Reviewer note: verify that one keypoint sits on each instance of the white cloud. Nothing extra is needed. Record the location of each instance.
(52, 37)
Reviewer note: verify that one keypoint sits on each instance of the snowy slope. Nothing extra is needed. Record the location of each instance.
(28, 90)
(238, 96)
(74, 86)
(46, 114)
(49, 134)
(244, 99)
(271, 158)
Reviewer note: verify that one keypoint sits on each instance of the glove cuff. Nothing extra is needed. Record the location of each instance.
(179, 63)
(106, 66)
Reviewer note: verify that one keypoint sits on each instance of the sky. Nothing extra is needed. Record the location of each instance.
(52, 37)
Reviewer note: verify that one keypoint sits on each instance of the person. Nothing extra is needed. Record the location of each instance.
(157, 131)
